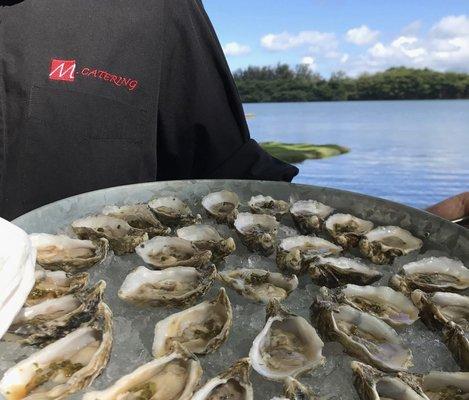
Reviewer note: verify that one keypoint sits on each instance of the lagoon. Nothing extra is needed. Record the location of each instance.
(412, 152)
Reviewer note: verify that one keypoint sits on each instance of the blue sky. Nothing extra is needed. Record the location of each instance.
(351, 35)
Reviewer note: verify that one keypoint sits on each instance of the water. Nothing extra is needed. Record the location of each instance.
(412, 152)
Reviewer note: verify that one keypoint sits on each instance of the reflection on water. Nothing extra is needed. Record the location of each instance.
(412, 152)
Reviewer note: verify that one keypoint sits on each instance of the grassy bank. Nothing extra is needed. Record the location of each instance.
(298, 152)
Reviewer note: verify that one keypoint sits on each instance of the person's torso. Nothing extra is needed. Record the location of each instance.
(79, 83)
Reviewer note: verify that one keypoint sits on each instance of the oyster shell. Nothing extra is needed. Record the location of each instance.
(258, 284)
(222, 206)
(372, 384)
(338, 271)
(287, 345)
(346, 229)
(165, 252)
(446, 385)
(432, 274)
(52, 319)
(63, 367)
(121, 236)
(172, 211)
(176, 286)
(382, 302)
(233, 384)
(309, 215)
(201, 329)
(173, 376)
(297, 253)
(53, 284)
(267, 205)
(138, 216)
(206, 237)
(62, 252)
(457, 340)
(381, 245)
(258, 232)
(295, 390)
(362, 335)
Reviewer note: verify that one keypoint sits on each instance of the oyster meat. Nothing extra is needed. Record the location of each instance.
(309, 215)
(53, 284)
(175, 286)
(63, 367)
(287, 345)
(121, 236)
(52, 319)
(222, 206)
(446, 385)
(258, 284)
(338, 271)
(232, 384)
(381, 245)
(381, 301)
(206, 237)
(201, 329)
(258, 232)
(138, 216)
(165, 252)
(364, 336)
(372, 384)
(346, 229)
(267, 205)
(432, 274)
(297, 253)
(173, 212)
(172, 377)
(295, 390)
(62, 252)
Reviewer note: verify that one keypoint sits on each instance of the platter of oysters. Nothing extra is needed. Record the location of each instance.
(240, 290)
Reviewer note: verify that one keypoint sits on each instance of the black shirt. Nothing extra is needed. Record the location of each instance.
(95, 94)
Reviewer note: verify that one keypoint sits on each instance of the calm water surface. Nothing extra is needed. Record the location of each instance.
(412, 152)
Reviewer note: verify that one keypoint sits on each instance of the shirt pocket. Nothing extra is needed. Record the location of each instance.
(78, 142)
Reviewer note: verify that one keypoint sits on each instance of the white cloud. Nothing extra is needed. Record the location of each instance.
(361, 35)
(344, 58)
(413, 28)
(284, 41)
(451, 26)
(310, 62)
(236, 49)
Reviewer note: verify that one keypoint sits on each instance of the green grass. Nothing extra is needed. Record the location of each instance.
(298, 152)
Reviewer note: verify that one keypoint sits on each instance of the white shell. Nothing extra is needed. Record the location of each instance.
(347, 229)
(444, 384)
(309, 215)
(216, 312)
(258, 232)
(268, 205)
(172, 211)
(222, 205)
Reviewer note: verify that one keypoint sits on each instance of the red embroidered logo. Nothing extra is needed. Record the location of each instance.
(62, 70)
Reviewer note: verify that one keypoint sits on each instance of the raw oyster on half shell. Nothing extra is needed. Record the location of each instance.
(206, 237)
(171, 377)
(121, 236)
(232, 384)
(446, 385)
(138, 216)
(174, 287)
(287, 345)
(258, 232)
(267, 205)
(258, 284)
(297, 253)
(338, 271)
(222, 206)
(346, 229)
(55, 252)
(201, 329)
(173, 212)
(381, 245)
(432, 274)
(53, 284)
(63, 367)
(165, 252)
(364, 336)
(309, 215)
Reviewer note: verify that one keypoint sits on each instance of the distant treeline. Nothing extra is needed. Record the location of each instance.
(282, 83)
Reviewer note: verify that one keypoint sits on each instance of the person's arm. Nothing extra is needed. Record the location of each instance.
(453, 208)
(202, 131)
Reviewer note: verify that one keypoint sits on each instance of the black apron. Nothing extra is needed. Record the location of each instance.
(95, 94)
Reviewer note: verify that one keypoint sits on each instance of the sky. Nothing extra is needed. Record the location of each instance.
(353, 36)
